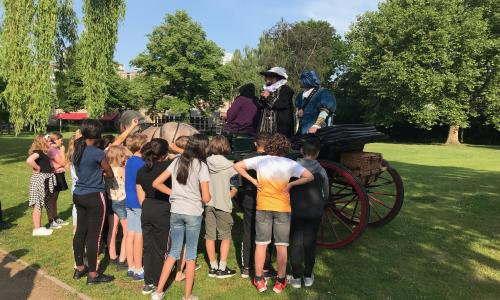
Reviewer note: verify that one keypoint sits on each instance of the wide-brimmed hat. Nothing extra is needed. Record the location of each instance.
(275, 71)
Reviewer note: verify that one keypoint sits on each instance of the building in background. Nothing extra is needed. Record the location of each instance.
(124, 74)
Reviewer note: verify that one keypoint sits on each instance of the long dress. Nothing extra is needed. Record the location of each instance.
(277, 112)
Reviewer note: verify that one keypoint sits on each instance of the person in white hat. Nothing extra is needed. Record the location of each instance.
(276, 101)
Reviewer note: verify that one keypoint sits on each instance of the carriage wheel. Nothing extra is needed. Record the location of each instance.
(346, 215)
(385, 196)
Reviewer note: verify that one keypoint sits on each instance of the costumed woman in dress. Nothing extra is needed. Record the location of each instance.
(315, 105)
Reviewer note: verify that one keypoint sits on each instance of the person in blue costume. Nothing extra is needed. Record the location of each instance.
(315, 105)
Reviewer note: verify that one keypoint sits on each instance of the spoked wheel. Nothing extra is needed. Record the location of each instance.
(347, 212)
(385, 195)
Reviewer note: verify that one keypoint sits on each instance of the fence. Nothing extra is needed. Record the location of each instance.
(209, 125)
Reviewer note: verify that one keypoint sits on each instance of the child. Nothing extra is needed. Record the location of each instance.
(134, 234)
(58, 162)
(42, 183)
(190, 188)
(155, 218)
(178, 147)
(272, 219)
(308, 202)
(246, 198)
(90, 165)
(218, 219)
(117, 156)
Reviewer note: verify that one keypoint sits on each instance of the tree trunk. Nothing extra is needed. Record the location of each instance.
(453, 135)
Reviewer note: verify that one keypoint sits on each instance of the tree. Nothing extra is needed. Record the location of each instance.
(243, 68)
(98, 42)
(183, 62)
(421, 61)
(301, 46)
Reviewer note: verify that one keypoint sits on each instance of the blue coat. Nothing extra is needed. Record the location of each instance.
(323, 99)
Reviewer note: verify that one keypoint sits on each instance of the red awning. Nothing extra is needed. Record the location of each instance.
(83, 116)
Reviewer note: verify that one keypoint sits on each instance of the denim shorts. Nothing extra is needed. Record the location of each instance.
(189, 226)
(272, 224)
(119, 209)
(134, 220)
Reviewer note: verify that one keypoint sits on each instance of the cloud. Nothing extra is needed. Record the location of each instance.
(340, 13)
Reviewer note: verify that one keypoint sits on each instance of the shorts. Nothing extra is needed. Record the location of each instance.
(272, 224)
(218, 224)
(61, 182)
(184, 226)
(134, 220)
(119, 208)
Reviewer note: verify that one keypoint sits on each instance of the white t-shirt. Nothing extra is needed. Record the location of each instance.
(186, 198)
(274, 174)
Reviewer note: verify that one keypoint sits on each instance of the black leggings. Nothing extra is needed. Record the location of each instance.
(155, 223)
(91, 212)
(303, 233)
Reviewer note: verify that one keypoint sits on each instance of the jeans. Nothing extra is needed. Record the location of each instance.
(189, 226)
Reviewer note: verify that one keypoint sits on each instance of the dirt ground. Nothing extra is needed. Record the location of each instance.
(20, 282)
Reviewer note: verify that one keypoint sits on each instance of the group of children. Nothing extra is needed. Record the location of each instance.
(160, 194)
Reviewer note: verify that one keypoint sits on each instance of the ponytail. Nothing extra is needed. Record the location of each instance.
(90, 129)
(80, 146)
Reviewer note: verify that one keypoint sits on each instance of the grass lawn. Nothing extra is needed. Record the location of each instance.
(445, 243)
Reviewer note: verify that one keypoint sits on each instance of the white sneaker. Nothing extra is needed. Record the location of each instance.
(294, 282)
(42, 231)
(308, 281)
(190, 298)
(157, 296)
(61, 222)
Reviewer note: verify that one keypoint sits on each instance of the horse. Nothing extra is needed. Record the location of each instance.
(169, 131)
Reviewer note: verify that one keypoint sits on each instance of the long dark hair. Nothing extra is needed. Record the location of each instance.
(196, 148)
(90, 129)
(154, 151)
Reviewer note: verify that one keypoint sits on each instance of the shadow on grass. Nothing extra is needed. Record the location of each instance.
(443, 244)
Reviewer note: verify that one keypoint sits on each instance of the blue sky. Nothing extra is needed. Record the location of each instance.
(231, 24)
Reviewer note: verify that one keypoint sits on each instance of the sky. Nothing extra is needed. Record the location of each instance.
(231, 24)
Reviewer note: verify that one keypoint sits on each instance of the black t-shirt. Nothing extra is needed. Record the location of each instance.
(145, 178)
(43, 161)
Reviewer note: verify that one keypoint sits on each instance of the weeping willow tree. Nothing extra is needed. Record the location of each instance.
(98, 41)
(17, 57)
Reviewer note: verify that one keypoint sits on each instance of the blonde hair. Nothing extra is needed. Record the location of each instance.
(71, 149)
(117, 155)
(136, 141)
(39, 144)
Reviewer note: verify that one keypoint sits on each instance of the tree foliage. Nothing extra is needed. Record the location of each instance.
(98, 42)
(423, 62)
(182, 63)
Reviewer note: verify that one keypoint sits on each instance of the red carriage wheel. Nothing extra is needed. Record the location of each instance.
(385, 195)
(347, 212)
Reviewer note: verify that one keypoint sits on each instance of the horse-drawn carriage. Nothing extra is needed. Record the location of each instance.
(365, 189)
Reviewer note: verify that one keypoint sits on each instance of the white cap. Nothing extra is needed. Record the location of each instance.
(276, 71)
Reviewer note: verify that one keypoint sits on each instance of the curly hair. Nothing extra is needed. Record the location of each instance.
(278, 145)
(39, 144)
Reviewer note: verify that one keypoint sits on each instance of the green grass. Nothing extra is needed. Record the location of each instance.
(445, 243)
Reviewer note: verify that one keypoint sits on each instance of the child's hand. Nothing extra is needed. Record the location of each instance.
(135, 122)
(288, 187)
(36, 170)
(257, 185)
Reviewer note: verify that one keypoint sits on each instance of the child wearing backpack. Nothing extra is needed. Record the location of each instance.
(308, 203)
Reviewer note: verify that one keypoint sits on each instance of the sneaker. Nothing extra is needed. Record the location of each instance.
(260, 285)
(197, 267)
(54, 225)
(212, 272)
(225, 273)
(190, 298)
(61, 222)
(245, 273)
(157, 296)
(294, 282)
(308, 281)
(148, 289)
(42, 231)
(138, 276)
(122, 265)
(130, 273)
(113, 261)
(271, 273)
(279, 286)
(79, 274)
(100, 278)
